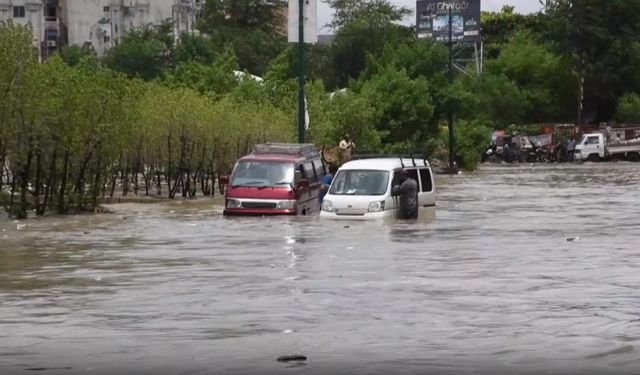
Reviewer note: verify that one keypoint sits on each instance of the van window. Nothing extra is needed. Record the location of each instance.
(262, 173)
(413, 173)
(594, 140)
(425, 180)
(319, 167)
(360, 182)
(309, 172)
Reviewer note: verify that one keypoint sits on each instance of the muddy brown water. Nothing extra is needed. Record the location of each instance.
(524, 269)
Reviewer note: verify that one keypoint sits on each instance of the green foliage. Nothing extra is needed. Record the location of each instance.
(213, 80)
(628, 110)
(74, 55)
(194, 48)
(144, 52)
(250, 27)
(374, 12)
(265, 15)
(403, 111)
(472, 137)
(364, 28)
(498, 27)
(601, 37)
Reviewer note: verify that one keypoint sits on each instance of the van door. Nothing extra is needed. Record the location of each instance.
(593, 144)
(426, 194)
(309, 199)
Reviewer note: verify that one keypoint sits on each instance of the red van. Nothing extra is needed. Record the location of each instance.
(275, 179)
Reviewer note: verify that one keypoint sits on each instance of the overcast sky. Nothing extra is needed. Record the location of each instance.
(522, 6)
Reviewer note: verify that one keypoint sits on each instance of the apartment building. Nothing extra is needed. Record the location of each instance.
(99, 24)
(102, 23)
(25, 12)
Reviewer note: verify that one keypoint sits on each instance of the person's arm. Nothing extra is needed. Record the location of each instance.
(398, 189)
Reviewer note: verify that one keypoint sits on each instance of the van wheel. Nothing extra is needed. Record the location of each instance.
(594, 158)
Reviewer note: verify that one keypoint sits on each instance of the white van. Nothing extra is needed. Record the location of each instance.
(362, 189)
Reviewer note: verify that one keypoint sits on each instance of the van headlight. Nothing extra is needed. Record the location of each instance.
(376, 206)
(233, 203)
(286, 205)
(327, 205)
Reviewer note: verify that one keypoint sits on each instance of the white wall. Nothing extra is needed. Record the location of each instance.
(85, 19)
(33, 14)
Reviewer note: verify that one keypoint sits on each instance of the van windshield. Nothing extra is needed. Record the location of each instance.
(262, 173)
(360, 182)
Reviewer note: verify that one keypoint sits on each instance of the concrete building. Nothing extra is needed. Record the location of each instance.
(98, 24)
(25, 12)
(102, 23)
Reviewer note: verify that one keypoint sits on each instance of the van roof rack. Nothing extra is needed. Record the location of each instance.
(302, 149)
(401, 156)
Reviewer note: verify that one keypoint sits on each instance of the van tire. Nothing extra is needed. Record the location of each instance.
(593, 158)
(633, 156)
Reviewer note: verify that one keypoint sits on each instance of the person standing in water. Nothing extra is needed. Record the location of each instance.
(327, 180)
(407, 190)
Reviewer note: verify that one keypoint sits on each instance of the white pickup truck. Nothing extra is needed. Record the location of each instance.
(606, 146)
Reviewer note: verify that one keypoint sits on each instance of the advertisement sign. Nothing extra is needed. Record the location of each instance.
(310, 11)
(432, 20)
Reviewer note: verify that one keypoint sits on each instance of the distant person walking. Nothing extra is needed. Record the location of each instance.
(571, 148)
(407, 189)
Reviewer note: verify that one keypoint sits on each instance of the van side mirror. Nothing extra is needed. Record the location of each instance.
(302, 184)
(223, 180)
(297, 176)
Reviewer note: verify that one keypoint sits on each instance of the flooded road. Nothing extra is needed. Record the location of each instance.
(523, 270)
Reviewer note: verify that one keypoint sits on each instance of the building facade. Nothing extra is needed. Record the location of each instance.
(101, 24)
(98, 24)
(26, 12)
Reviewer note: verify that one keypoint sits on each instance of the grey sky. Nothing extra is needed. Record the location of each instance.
(522, 6)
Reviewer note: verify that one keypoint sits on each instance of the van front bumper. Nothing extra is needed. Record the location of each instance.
(380, 215)
(257, 212)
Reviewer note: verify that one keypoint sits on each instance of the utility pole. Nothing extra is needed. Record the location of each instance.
(301, 73)
(451, 135)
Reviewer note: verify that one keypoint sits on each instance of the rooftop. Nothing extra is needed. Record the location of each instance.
(383, 163)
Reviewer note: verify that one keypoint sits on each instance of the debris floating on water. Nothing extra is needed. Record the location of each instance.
(290, 358)
(571, 239)
(287, 331)
(346, 226)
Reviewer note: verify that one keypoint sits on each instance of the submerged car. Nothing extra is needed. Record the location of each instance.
(362, 188)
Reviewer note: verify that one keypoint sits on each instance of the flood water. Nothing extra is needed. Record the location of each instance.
(527, 269)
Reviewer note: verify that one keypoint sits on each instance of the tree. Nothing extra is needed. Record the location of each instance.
(545, 85)
(363, 29)
(498, 27)
(628, 110)
(375, 12)
(73, 55)
(404, 112)
(252, 28)
(145, 52)
(194, 48)
(214, 80)
(601, 37)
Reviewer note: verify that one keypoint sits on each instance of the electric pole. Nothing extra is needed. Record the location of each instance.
(451, 135)
(301, 73)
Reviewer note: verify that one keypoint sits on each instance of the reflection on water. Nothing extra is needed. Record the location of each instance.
(522, 269)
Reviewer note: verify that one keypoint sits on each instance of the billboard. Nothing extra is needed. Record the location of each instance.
(432, 20)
